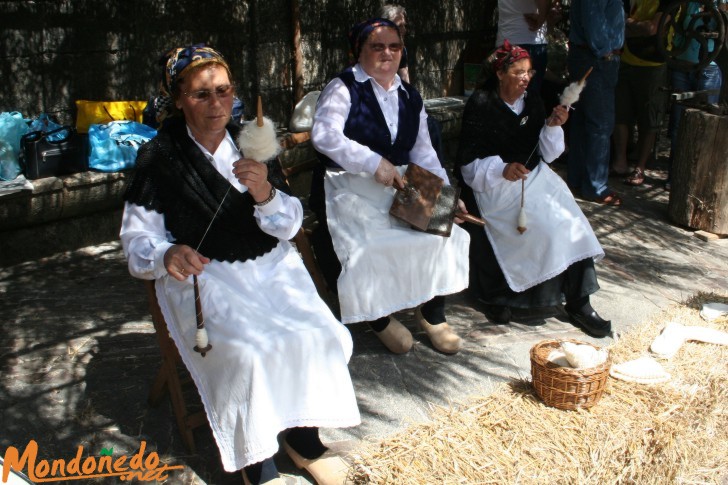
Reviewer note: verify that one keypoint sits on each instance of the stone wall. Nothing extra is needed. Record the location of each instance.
(53, 52)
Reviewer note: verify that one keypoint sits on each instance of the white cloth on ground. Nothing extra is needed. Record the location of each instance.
(644, 370)
(674, 335)
(386, 265)
(279, 356)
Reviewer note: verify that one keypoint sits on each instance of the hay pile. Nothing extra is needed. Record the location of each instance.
(665, 433)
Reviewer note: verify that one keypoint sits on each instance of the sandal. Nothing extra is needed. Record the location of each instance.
(609, 199)
(636, 178)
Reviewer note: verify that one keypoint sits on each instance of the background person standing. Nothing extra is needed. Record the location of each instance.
(595, 38)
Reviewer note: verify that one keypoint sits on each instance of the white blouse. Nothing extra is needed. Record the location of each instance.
(332, 112)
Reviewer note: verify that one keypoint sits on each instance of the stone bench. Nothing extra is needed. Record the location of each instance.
(74, 211)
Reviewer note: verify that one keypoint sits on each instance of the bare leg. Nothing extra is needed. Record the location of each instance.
(645, 144)
(619, 157)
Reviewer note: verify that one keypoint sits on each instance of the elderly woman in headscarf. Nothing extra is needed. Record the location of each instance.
(506, 144)
(196, 206)
(368, 126)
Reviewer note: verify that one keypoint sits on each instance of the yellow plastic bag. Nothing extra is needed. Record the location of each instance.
(100, 112)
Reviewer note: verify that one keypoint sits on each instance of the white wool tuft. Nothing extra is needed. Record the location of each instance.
(259, 142)
(522, 219)
(201, 338)
(583, 356)
(571, 93)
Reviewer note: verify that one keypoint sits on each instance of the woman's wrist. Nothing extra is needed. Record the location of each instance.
(270, 197)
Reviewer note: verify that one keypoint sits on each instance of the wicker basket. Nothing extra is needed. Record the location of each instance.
(564, 387)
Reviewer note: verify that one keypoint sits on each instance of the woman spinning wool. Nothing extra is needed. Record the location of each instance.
(498, 164)
(368, 126)
(279, 357)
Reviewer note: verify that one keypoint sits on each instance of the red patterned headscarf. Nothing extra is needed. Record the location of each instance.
(506, 55)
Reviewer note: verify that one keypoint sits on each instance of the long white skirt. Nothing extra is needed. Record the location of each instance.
(386, 265)
(279, 357)
(557, 235)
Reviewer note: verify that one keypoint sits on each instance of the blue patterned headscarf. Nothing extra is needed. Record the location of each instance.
(176, 62)
(183, 58)
(361, 31)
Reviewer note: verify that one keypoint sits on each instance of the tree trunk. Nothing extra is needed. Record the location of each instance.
(699, 195)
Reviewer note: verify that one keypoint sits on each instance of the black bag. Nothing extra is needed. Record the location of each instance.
(44, 155)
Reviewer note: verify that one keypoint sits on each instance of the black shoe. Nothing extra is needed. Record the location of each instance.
(590, 322)
(498, 313)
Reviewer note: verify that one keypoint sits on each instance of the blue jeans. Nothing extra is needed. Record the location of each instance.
(591, 123)
(708, 78)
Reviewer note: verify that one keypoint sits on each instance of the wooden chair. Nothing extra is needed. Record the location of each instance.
(173, 378)
(301, 239)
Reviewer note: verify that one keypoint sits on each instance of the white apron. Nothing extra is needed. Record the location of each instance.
(558, 234)
(278, 359)
(386, 265)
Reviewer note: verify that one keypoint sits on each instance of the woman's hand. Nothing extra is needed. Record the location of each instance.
(254, 175)
(559, 115)
(388, 175)
(181, 261)
(515, 171)
(462, 209)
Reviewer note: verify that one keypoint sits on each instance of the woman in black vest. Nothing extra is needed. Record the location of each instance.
(505, 145)
(197, 206)
(368, 126)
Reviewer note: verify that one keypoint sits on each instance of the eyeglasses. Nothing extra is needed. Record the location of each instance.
(379, 47)
(522, 74)
(222, 91)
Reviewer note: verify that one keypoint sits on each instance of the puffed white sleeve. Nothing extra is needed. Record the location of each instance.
(281, 217)
(483, 174)
(144, 241)
(423, 154)
(327, 134)
(551, 143)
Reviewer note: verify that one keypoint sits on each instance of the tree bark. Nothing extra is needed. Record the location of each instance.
(699, 195)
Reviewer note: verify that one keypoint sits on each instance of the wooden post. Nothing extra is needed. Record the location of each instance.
(699, 194)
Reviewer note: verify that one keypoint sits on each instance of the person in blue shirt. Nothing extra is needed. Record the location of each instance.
(595, 40)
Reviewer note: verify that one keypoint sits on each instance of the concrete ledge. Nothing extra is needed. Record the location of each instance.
(70, 212)
(60, 214)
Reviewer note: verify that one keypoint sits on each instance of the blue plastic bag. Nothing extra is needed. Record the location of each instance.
(44, 124)
(12, 128)
(114, 145)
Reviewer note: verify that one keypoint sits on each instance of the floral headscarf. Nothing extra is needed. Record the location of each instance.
(176, 62)
(506, 55)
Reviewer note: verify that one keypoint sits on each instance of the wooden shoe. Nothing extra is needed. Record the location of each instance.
(328, 469)
(441, 335)
(396, 337)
